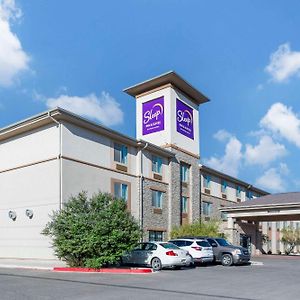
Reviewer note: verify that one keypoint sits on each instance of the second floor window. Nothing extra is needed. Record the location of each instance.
(121, 190)
(120, 153)
(184, 172)
(238, 191)
(206, 181)
(223, 186)
(249, 195)
(156, 164)
(157, 199)
(206, 208)
(184, 205)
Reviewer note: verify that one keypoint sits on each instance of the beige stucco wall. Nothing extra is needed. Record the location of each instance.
(28, 186)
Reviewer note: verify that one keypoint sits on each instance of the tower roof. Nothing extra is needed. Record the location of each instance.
(172, 78)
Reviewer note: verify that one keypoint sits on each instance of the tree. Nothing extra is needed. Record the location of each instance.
(208, 228)
(291, 238)
(92, 232)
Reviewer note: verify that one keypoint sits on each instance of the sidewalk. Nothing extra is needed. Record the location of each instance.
(38, 264)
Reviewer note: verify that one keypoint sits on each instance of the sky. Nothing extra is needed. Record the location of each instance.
(243, 55)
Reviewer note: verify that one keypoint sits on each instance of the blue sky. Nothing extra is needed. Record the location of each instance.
(244, 55)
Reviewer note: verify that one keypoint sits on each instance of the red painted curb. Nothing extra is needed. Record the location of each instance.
(104, 270)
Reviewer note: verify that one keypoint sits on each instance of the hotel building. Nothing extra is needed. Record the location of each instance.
(52, 156)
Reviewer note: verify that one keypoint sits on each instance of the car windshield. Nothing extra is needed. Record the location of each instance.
(169, 246)
(223, 242)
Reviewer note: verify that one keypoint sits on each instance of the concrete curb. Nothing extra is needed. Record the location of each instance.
(105, 270)
(26, 267)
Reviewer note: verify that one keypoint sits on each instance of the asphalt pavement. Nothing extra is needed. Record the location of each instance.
(276, 278)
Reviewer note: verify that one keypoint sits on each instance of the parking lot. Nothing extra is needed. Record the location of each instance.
(277, 278)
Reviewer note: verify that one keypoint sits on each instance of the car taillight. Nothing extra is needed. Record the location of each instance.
(197, 248)
(171, 253)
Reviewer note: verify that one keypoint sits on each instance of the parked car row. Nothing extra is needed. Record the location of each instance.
(186, 251)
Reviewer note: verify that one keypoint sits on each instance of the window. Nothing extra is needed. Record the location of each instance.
(155, 235)
(120, 153)
(238, 191)
(157, 199)
(206, 181)
(121, 191)
(206, 208)
(156, 164)
(223, 216)
(184, 173)
(249, 195)
(184, 205)
(223, 186)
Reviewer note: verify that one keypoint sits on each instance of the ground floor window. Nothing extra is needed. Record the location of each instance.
(155, 235)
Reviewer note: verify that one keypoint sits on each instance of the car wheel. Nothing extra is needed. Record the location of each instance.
(156, 264)
(226, 260)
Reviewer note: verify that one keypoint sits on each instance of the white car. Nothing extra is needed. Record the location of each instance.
(199, 249)
(157, 255)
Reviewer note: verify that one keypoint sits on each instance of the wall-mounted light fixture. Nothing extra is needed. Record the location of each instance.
(29, 213)
(12, 215)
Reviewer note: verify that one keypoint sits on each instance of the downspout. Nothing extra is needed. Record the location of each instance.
(59, 158)
(141, 185)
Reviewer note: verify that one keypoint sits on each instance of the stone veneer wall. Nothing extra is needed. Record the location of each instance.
(176, 189)
(155, 219)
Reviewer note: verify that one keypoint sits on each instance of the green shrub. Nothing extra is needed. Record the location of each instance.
(207, 228)
(92, 232)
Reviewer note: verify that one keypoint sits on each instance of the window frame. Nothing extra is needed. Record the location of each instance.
(184, 172)
(157, 164)
(123, 153)
(154, 201)
(186, 206)
(224, 185)
(238, 191)
(206, 181)
(156, 233)
(209, 205)
(115, 181)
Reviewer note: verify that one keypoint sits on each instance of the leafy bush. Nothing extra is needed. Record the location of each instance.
(92, 232)
(290, 238)
(208, 228)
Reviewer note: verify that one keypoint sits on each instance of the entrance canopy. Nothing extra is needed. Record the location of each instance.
(276, 207)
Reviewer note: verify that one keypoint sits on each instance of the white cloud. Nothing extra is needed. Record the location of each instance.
(230, 162)
(281, 120)
(284, 63)
(272, 179)
(104, 108)
(13, 59)
(264, 152)
(222, 135)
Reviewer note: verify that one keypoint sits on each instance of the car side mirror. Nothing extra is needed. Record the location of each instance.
(214, 245)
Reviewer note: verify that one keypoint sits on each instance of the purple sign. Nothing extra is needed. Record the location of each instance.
(153, 116)
(184, 119)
